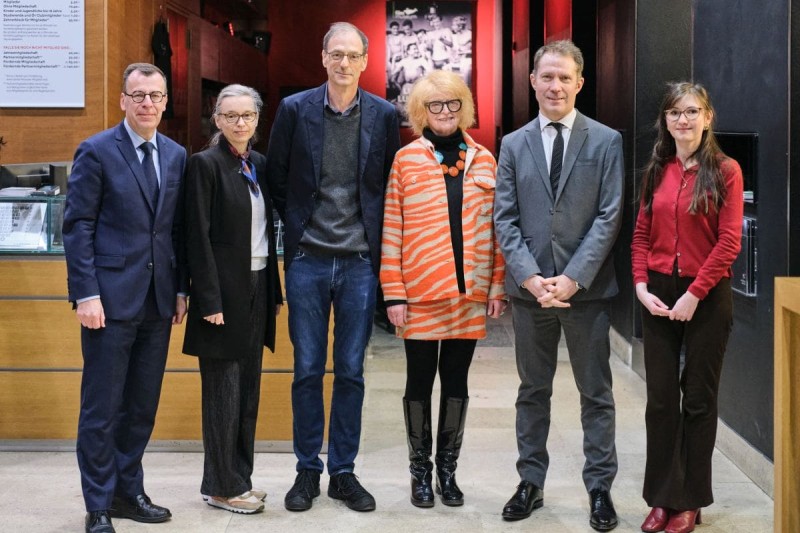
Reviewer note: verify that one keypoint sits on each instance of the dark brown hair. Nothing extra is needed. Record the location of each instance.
(709, 184)
(145, 68)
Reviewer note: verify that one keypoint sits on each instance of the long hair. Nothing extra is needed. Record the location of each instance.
(709, 184)
(232, 91)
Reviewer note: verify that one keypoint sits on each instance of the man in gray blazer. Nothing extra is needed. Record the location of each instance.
(558, 209)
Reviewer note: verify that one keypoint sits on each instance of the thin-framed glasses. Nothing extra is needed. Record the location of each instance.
(691, 113)
(339, 56)
(233, 118)
(138, 97)
(437, 107)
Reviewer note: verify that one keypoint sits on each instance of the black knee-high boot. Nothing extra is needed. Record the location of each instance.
(420, 444)
(452, 416)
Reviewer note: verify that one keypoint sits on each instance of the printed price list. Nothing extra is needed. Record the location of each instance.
(42, 53)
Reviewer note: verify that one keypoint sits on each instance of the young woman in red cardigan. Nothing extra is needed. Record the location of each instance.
(687, 235)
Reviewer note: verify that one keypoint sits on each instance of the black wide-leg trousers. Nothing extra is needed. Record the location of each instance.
(231, 392)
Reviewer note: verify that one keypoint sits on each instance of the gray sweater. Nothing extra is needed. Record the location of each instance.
(336, 226)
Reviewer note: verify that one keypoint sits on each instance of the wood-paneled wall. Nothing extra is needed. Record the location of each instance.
(40, 365)
(787, 405)
(118, 33)
(130, 29)
(40, 356)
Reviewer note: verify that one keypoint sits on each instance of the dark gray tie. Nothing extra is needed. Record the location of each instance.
(149, 168)
(558, 157)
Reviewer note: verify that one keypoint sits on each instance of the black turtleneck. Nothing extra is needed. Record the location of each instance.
(449, 147)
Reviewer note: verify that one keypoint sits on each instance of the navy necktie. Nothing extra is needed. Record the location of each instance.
(558, 157)
(149, 168)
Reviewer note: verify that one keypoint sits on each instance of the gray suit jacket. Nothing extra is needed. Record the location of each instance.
(574, 232)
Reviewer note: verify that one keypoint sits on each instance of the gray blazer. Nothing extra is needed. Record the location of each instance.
(572, 234)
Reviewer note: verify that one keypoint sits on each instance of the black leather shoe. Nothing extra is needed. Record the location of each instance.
(139, 508)
(604, 517)
(527, 498)
(345, 486)
(302, 494)
(99, 522)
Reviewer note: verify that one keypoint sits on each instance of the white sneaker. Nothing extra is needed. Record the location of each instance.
(245, 503)
(260, 494)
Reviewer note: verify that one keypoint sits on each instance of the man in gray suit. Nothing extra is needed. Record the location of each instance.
(558, 208)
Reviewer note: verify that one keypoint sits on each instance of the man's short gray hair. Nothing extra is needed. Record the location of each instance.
(341, 27)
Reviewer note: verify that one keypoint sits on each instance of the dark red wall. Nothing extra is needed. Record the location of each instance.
(295, 53)
(557, 20)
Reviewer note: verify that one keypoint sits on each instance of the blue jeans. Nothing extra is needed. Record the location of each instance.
(313, 284)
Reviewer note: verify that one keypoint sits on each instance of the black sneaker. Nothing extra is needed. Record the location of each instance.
(305, 489)
(345, 486)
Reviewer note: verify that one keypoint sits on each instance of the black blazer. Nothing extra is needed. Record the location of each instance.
(295, 158)
(218, 250)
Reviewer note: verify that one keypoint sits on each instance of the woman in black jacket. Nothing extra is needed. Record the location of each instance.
(235, 295)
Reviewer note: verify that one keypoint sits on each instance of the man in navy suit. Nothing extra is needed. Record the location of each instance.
(123, 246)
(329, 157)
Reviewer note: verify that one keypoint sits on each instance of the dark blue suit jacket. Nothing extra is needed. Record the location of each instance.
(294, 160)
(115, 239)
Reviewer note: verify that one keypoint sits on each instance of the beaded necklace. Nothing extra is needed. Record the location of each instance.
(458, 167)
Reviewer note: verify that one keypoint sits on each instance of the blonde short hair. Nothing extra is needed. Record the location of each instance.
(439, 81)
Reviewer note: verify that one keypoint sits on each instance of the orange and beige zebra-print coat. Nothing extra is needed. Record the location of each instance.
(417, 263)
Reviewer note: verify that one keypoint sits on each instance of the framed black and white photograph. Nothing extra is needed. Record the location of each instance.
(425, 36)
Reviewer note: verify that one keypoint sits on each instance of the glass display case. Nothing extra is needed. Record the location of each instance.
(30, 224)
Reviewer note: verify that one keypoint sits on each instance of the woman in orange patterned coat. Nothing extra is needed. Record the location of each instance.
(441, 271)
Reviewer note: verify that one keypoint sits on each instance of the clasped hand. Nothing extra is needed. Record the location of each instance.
(552, 292)
(683, 310)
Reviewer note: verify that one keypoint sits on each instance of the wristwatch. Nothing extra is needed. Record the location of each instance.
(578, 286)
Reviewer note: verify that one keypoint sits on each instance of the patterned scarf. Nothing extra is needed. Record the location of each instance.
(248, 169)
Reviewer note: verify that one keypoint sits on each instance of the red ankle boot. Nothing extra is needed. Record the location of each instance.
(683, 522)
(656, 520)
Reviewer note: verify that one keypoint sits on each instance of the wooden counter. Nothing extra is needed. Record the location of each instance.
(40, 365)
(787, 405)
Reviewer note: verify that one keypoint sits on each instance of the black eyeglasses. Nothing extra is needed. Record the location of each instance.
(339, 56)
(138, 97)
(233, 118)
(437, 107)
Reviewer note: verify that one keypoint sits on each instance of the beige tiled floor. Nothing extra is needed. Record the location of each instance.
(40, 491)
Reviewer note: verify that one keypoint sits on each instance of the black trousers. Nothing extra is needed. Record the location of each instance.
(681, 415)
(452, 357)
(231, 392)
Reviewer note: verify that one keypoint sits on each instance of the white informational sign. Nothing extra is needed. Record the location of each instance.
(42, 49)
(22, 225)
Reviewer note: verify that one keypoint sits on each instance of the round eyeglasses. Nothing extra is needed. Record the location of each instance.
(138, 97)
(437, 107)
(691, 113)
(233, 118)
